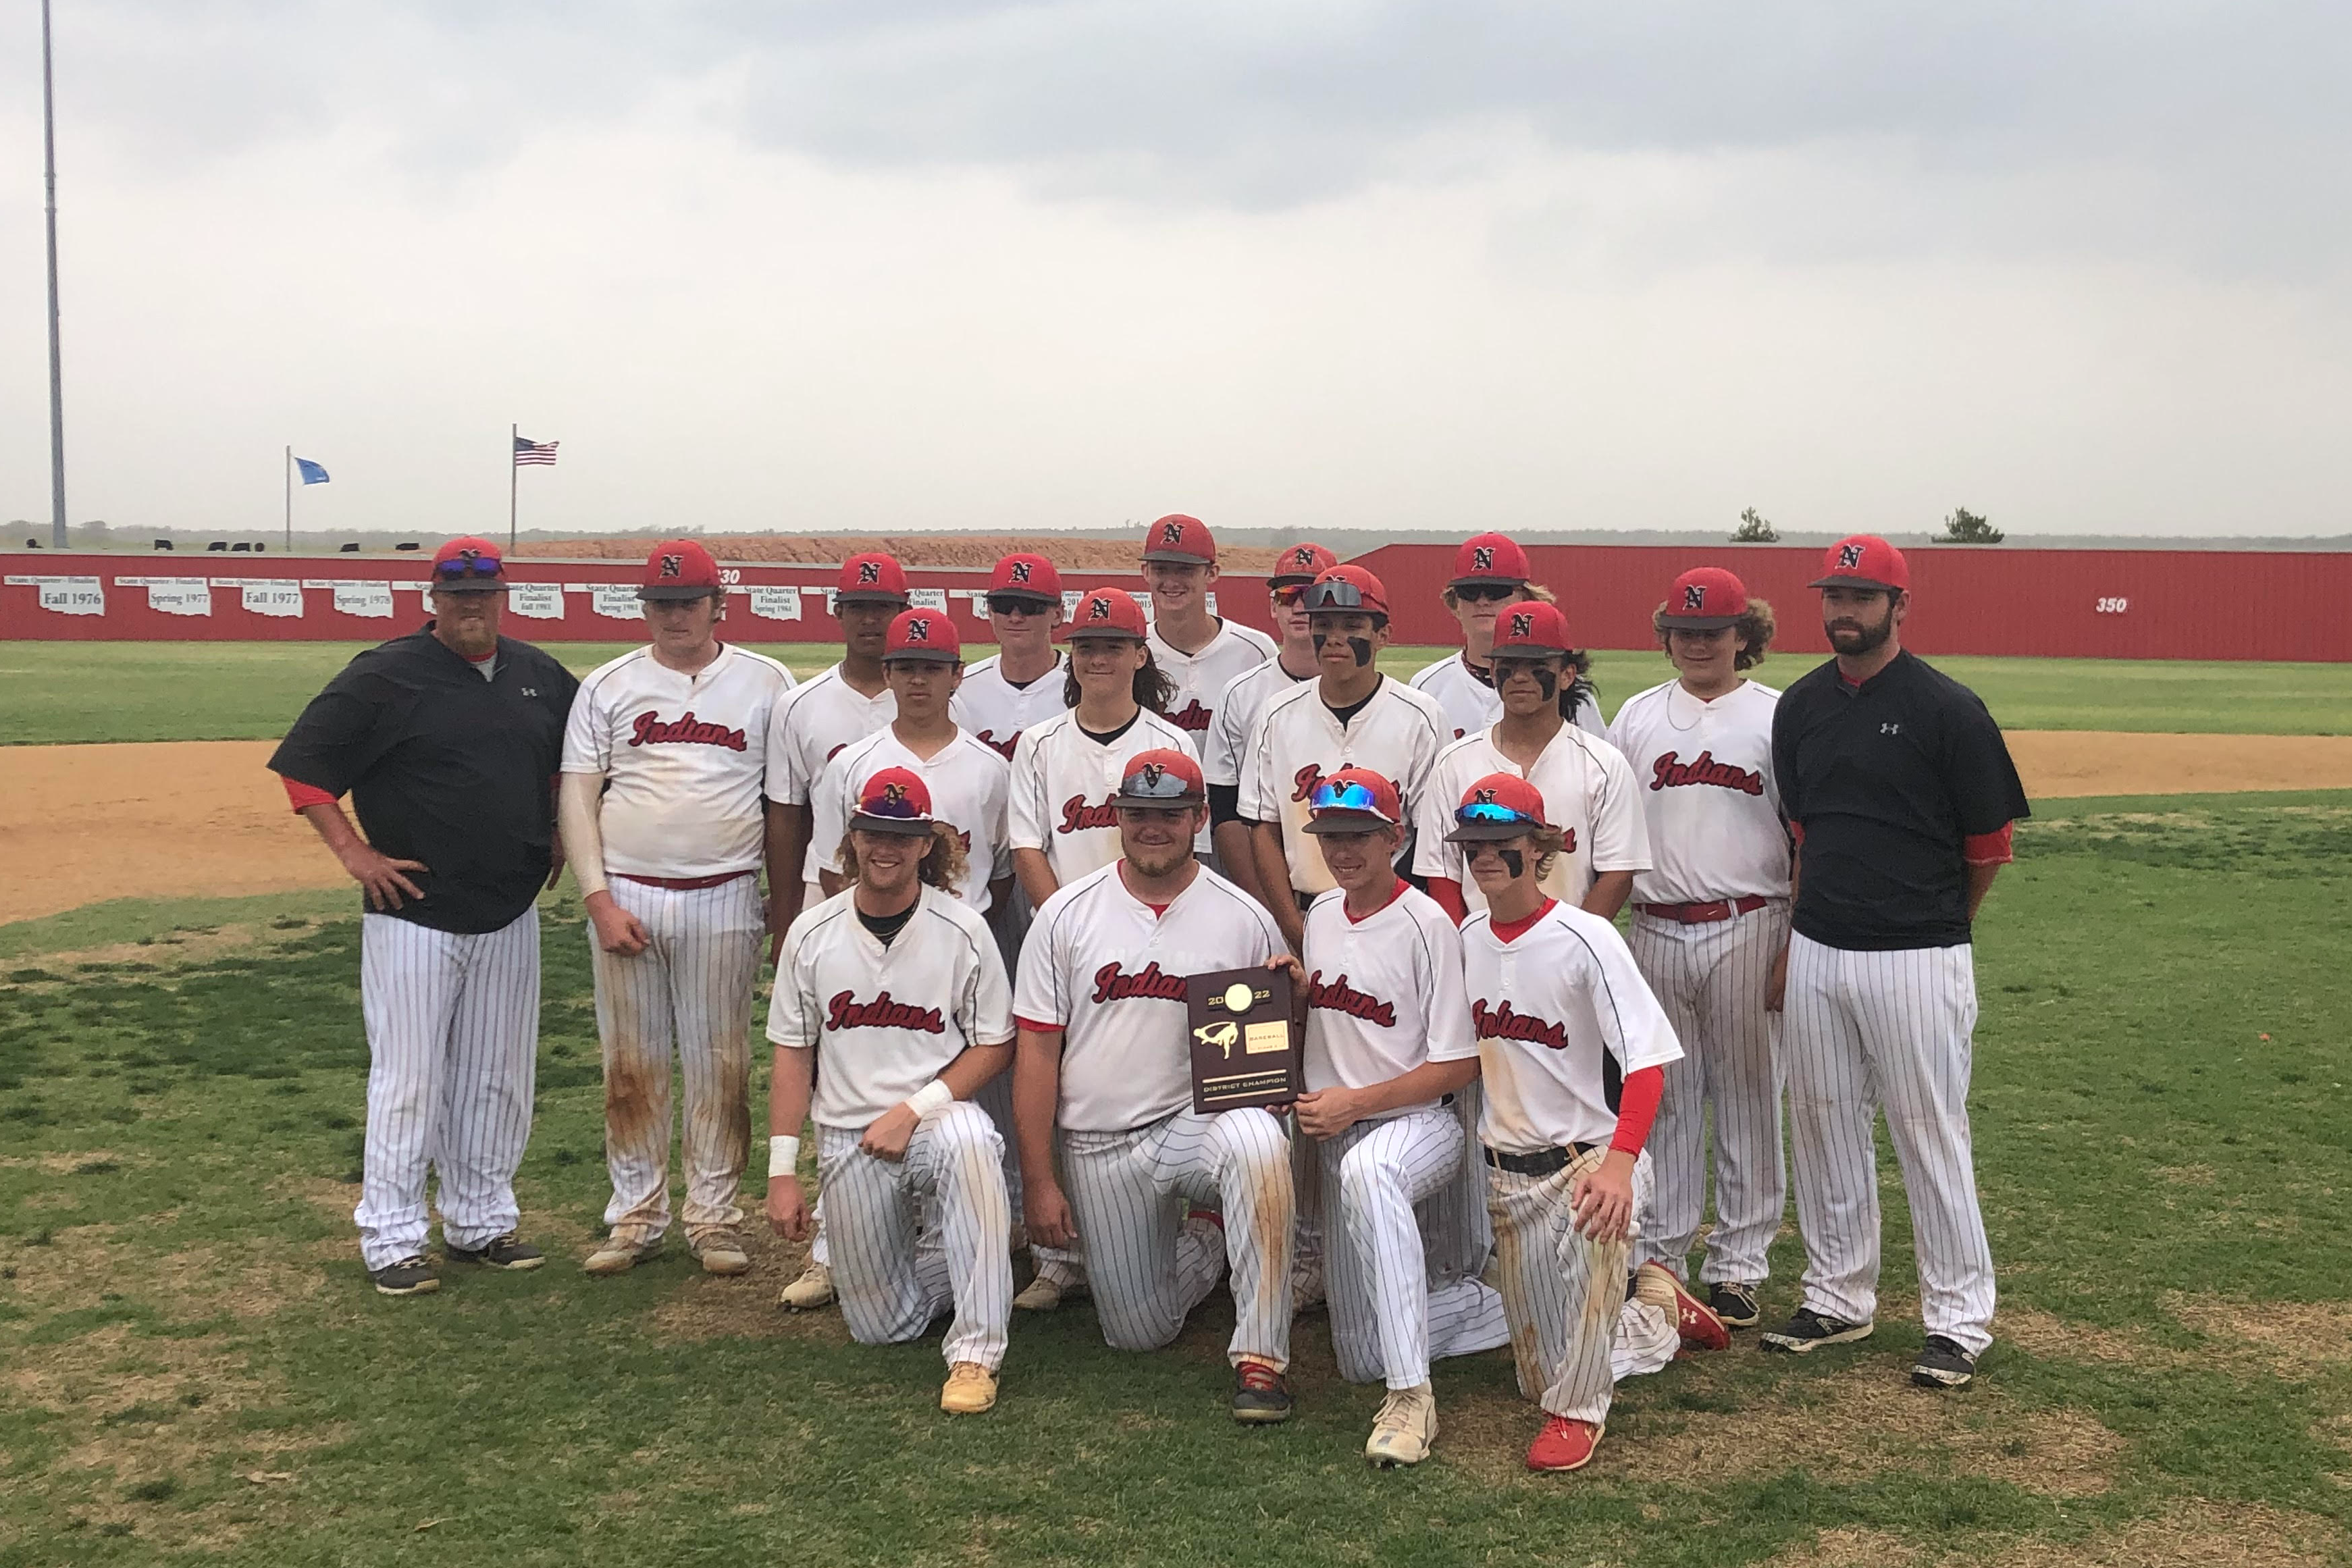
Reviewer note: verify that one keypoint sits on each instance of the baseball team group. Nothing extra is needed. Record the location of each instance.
(987, 884)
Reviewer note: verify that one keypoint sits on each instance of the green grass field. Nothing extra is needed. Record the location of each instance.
(57, 692)
(195, 1370)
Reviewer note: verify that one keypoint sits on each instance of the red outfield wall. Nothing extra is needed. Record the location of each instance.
(2075, 604)
(2113, 604)
(63, 595)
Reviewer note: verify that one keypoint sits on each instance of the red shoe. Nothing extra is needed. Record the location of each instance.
(1700, 1328)
(1564, 1444)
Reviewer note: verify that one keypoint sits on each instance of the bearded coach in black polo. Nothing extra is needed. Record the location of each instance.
(447, 741)
(1900, 796)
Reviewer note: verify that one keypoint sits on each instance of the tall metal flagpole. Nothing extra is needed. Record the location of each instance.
(514, 434)
(56, 362)
(289, 499)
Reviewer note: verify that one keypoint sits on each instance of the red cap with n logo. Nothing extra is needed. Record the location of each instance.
(1530, 631)
(1704, 599)
(923, 633)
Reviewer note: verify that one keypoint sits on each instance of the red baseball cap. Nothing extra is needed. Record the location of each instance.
(1026, 577)
(1353, 800)
(1162, 776)
(1301, 564)
(678, 568)
(875, 578)
(895, 800)
(923, 633)
(1532, 630)
(1490, 560)
(1500, 805)
(1108, 613)
(1346, 588)
(469, 565)
(1181, 541)
(1704, 599)
(1863, 560)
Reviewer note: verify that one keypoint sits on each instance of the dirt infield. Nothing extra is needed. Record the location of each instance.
(206, 818)
(912, 550)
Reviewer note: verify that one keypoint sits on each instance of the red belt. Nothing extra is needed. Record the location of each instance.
(1704, 914)
(684, 884)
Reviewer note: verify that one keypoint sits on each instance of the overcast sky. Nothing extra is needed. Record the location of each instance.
(865, 266)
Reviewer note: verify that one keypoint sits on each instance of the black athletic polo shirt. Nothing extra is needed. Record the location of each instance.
(1887, 779)
(446, 768)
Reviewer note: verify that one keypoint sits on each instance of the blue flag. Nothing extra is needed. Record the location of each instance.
(312, 474)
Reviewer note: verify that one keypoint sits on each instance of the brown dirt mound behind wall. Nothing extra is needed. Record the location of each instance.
(912, 550)
(206, 818)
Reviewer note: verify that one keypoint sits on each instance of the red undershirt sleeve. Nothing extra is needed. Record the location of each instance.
(1448, 894)
(1796, 833)
(1637, 1106)
(1990, 849)
(302, 795)
(1035, 1027)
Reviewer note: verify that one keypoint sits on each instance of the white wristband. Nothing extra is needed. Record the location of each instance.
(931, 1096)
(784, 1155)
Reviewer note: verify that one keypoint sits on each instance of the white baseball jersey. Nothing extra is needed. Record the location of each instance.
(1398, 733)
(887, 1019)
(1589, 795)
(1546, 1006)
(1063, 781)
(684, 758)
(1383, 993)
(1238, 707)
(1201, 677)
(1472, 703)
(995, 709)
(813, 722)
(1108, 971)
(1708, 794)
(969, 784)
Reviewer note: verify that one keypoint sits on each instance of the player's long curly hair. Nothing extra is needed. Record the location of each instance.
(1154, 688)
(944, 868)
(1548, 842)
(1754, 628)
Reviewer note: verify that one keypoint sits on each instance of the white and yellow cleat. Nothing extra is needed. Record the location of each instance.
(1047, 1291)
(1405, 1428)
(812, 1290)
(971, 1389)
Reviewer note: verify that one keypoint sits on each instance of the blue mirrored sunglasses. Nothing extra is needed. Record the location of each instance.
(1344, 794)
(462, 566)
(1487, 811)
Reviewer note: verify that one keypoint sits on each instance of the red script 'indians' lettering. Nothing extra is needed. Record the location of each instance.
(1341, 997)
(885, 1012)
(649, 731)
(1192, 716)
(1303, 783)
(1113, 983)
(1077, 816)
(1505, 1024)
(1670, 772)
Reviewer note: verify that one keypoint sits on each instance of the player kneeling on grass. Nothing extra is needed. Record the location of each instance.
(899, 984)
(1558, 1003)
(1387, 1046)
(1105, 1058)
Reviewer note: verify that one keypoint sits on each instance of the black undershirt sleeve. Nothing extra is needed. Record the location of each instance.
(1224, 804)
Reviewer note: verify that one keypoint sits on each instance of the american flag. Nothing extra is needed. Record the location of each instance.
(530, 451)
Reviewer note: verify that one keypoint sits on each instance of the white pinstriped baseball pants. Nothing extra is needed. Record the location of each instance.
(1575, 1329)
(1129, 1192)
(1865, 1031)
(1711, 980)
(453, 1045)
(1388, 1321)
(691, 986)
(893, 1273)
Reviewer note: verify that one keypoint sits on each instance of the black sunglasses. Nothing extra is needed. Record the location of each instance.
(1485, 593)
(1013, 605)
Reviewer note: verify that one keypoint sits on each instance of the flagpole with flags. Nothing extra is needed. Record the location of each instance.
(289, 499)
(514, 440)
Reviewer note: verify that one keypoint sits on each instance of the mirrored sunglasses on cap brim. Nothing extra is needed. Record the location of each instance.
(1488, 820)
(1169, 789)
(1347, 794)
(1338, 595)
(464, 568)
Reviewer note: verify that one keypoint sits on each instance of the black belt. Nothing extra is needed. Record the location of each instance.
(1543, 1163)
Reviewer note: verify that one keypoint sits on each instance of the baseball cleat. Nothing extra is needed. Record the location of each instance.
(499, 1252)
(1735, 1304)
(720, 1251)
(616, 1253)
(971, 1389)
(1700, 1328)
(411, 1276)
(1049, 1291)
(812, 1290)
(1405, 1428)
(1942, 1364)
(1807, 1330)
(1564, 1444)
(1260, 1395)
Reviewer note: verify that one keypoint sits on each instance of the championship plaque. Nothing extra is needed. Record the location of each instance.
(1244, 1049)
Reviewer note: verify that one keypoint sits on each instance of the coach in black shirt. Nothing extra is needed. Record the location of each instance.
(447, 741)
(1900, 794)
